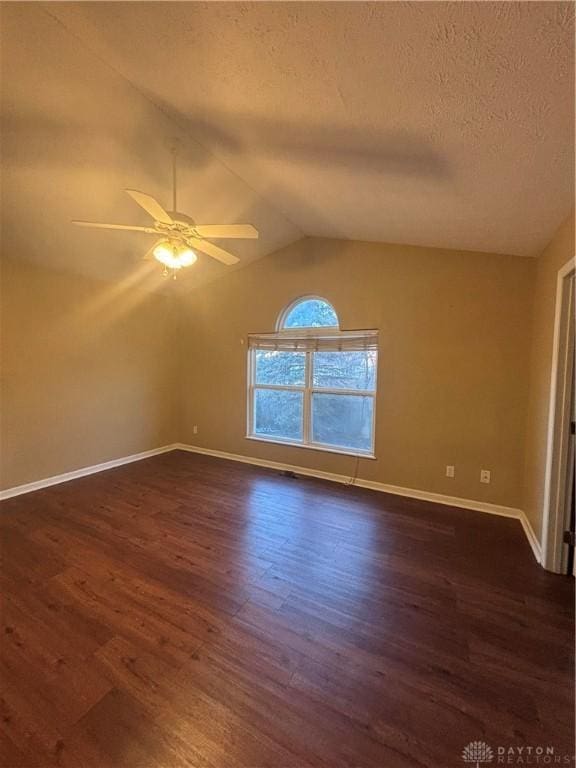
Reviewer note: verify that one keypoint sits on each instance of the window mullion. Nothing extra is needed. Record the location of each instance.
(250, 393)
(283, 387)
(307, 410)
(338, 391)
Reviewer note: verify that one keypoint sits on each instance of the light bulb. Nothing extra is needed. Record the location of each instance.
(166, 254)
(186, 256)
(174, 256)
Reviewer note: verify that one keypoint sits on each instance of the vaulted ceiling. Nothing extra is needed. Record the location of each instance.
(439, 124)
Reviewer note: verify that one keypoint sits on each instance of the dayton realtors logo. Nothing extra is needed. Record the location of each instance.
(479, 753)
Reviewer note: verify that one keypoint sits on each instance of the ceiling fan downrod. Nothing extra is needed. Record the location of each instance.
(174, 152)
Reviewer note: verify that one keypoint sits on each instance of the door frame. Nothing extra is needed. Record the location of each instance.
(561, 385)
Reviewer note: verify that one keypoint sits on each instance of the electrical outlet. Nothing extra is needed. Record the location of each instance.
(449, 470)
(195, 429)
(484, 475)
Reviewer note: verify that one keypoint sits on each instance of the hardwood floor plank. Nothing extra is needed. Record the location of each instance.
(185, 611)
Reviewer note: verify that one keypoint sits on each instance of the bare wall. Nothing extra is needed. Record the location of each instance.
(88, 371)
(560, 250)
(454, 355)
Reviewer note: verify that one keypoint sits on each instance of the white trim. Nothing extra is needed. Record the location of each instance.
(311, 446)
(531, 536)
(37, 485)
(551, 533)
(436, 498)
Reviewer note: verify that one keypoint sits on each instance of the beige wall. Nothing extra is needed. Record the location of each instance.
(88, 372)
(95, 370)
(454, 353)
(90, 367)
(559, 251)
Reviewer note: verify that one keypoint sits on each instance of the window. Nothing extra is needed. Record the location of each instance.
(309, 313)
(311, 384)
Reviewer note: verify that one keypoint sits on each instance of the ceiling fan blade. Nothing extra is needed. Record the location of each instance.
(213, 250)
(150, 205)
(114, 226)
(246, 231)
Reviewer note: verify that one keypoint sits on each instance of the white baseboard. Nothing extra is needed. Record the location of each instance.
(412, 493)
(532, 538)
(17, 490)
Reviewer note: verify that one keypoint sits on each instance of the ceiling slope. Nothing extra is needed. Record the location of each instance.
(75, 134)
(439, 124)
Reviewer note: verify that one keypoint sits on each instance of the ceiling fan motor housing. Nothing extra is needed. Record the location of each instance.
(182, 229)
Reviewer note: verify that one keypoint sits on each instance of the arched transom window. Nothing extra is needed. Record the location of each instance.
(312, 384)
(308, 312)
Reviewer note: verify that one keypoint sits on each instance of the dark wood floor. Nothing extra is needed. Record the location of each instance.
(187, 611)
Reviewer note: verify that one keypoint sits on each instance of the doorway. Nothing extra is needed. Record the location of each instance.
(559, 494)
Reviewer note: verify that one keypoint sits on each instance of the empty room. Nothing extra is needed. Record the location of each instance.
(287, 330)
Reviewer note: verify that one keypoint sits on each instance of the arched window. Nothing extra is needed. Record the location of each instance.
(308, 312)
(312, 384)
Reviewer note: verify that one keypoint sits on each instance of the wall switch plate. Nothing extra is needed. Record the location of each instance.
(195, 429)
(449, 470)
(484, 475)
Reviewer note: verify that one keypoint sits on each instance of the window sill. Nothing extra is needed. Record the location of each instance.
(312, 446)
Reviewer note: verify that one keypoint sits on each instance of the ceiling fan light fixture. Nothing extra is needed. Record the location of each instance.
(187, 257)
(177, 232)
(174, 256)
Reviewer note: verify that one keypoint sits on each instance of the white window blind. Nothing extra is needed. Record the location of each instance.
(315, 340)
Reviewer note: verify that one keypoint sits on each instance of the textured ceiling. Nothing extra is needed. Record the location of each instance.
(444, 124)
(440, 124)
(75, 134)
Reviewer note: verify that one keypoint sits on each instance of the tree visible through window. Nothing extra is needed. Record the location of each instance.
(316, 386)
(311, 313)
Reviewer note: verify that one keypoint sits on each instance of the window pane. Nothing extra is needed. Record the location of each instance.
(278, 413)
(274, 367)
(344, 421)
(311, 313)
(345, 370)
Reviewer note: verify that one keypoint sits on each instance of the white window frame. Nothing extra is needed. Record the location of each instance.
(280, 325)
(308, 391)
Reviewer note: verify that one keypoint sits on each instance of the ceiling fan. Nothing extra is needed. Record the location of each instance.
(179, 235)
